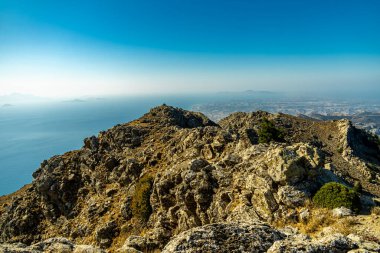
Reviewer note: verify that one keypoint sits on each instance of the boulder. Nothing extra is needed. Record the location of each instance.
(138, 243)
(264, 203)
(225, 237)
(290, 164)
(290, 196)
(106, 233)
(340, 212)
(302, 244)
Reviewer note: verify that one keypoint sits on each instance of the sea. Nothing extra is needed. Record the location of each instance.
(33, 132)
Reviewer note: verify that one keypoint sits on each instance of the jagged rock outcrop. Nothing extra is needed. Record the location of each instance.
(143, 183)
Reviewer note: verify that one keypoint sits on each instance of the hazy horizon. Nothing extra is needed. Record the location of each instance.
(12, 99)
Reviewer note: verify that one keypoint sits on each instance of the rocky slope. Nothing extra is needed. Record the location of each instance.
(369, 121)
(174, 181)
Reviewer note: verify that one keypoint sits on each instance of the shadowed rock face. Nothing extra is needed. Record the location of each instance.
(201, 173)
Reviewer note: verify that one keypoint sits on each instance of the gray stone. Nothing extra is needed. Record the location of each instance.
(224, 238)
(340, 212)
(301, 244)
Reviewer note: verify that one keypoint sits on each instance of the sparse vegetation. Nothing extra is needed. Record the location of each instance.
(140, 205)
(333, 195)
(268, 132)
(375, 210)
(345, 226)
(319, 218)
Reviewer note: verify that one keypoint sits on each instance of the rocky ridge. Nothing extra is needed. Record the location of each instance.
(174, 181)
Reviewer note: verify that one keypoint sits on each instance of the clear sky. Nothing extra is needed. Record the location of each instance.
(94, 48)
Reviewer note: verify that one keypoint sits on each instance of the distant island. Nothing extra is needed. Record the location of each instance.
(77, 100)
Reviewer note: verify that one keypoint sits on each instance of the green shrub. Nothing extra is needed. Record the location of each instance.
(333, 195)
(268, 132)
(140, 205)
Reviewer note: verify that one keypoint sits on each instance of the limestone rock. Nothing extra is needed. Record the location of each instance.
(264, 203)
(126, 249)
(291, 197)
(304, 214)
(52, 245)
(136, 242)
(364, 245)
(340, 212)
(106, 233)
(334, 244)
(87, 249)
(176, 116)
(59, 244)
(290, 165)
(224, 237)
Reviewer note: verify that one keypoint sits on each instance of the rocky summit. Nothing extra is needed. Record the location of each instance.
(175, 181)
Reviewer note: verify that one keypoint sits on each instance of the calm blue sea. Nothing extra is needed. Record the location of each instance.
(31, 133)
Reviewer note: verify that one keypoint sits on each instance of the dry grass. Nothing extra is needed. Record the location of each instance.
(375, 210)
(345, 226)
(321, 218)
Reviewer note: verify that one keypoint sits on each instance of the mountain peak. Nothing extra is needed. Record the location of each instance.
(169, 115)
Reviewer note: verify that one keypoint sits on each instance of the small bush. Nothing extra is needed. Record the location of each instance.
(140, 205)
(268, 132)
(333, 195)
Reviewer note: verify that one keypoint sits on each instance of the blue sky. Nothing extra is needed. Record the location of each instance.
(79, 48)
